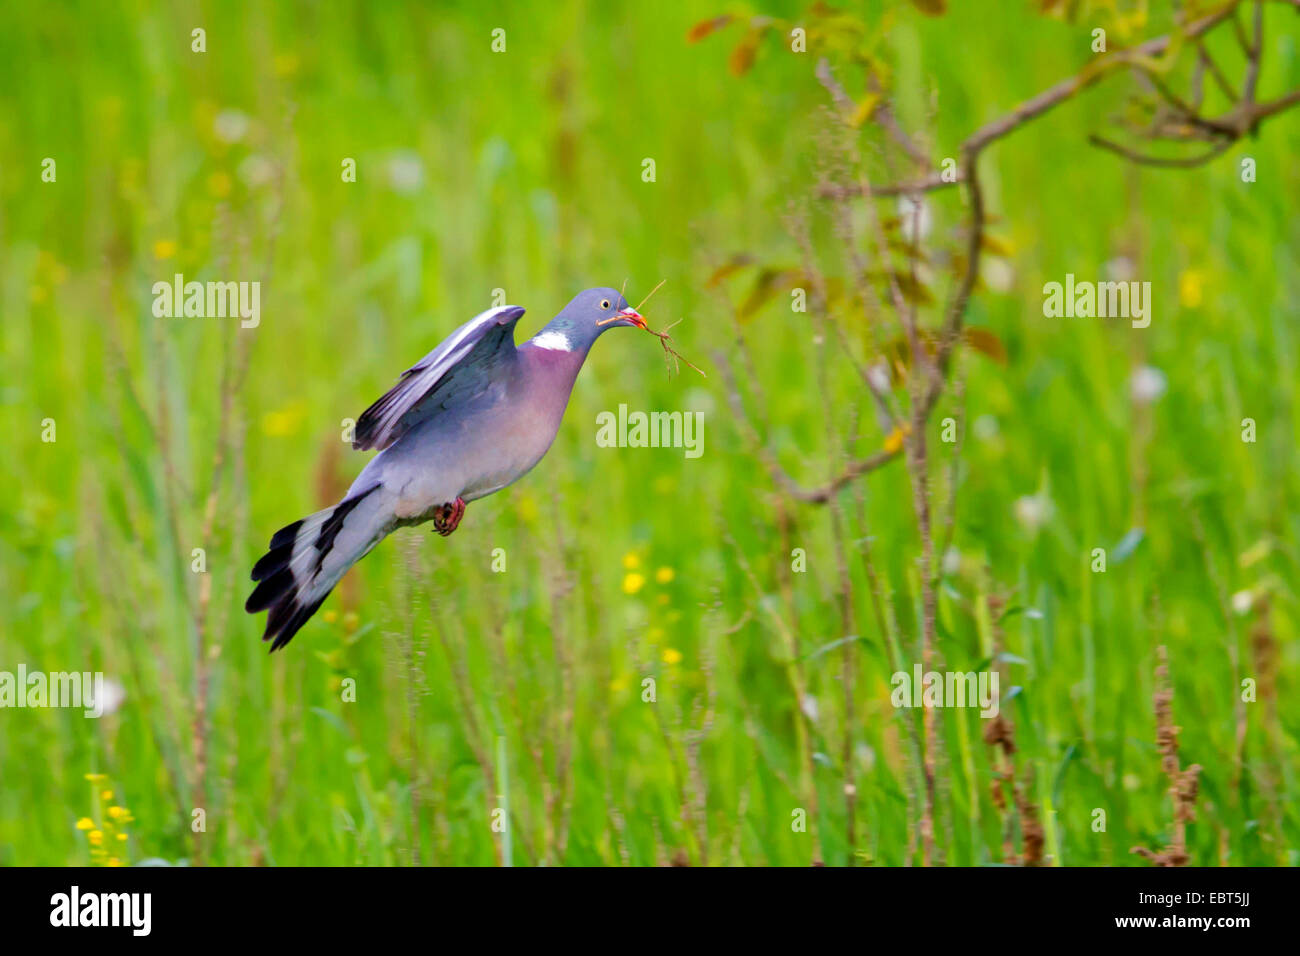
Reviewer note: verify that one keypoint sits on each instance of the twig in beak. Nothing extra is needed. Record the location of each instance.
(672, 357)
(650, 293)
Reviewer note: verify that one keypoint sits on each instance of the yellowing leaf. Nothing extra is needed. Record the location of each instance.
(864, 110)
(931, 8)
(705, 27)
(995, 246)
(742, 57)
(984, 341)
(729, 268)
(913, 290)
(768, 283)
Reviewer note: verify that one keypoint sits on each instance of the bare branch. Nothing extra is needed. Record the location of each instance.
(923, 185)
(1141, 159)
(856, 467)
(1215, 72)
(1059, 93)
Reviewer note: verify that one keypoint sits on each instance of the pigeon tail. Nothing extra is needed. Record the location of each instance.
(307, 558)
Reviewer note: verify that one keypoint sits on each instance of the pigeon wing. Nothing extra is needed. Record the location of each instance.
(458, 369)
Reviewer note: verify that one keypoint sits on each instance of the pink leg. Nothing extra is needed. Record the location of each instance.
(447, 518)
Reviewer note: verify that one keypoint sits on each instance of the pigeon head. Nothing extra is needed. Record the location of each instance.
(583, 320)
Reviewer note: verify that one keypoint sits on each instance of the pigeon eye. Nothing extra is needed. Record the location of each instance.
(604, 303)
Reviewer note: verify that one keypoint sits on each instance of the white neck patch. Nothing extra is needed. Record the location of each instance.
(553, 340)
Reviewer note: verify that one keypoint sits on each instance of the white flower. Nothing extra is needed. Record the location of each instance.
(915, 214)
(1119, 269)
(256, 170)
(985, 427)
(998, 274)
(809, 706)
(1147, 384)
(1034, 511)
(700, 400)
(951, 561)
(878, 377)
(405, 172)
(866, 757)
(113, 694)
(230, 126)
(1242, 602)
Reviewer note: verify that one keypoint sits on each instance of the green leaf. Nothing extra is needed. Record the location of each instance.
(1070, 755)
(331, 718)
(831, 646)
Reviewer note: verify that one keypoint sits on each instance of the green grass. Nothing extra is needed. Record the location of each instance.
(476, 690)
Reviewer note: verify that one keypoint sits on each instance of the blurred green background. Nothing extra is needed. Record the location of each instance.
(522, 691)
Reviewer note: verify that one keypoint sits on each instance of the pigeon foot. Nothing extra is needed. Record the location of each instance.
(446, 518)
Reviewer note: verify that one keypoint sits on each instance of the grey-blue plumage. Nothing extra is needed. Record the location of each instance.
(474, 415)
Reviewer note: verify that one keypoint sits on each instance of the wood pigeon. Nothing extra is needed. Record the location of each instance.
(474, 415)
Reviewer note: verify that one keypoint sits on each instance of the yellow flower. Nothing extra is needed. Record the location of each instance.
(618, 684)
(85, 823)
(1190, 288)
(122, 837)
(351, 621)
(116, 812)
(631, 561)
(664, 575)
(96, 837)
(672, 655)
(114, 861)
(330, 616)
(164, 249)
(526, 508)
(92, 777)
(632, 583)
(219, 184)
(894, 441)
(285, 421)
(106, 795)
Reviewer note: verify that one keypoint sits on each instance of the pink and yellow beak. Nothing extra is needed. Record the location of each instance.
(630, 316)
(633, 316)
